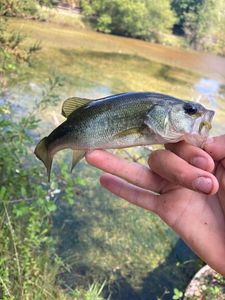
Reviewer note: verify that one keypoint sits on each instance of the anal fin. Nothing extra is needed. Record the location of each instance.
(77, 156)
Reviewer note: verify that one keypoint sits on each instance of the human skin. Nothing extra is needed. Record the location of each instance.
(190, 183)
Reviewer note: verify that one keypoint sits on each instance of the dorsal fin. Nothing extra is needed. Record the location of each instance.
(71, 104)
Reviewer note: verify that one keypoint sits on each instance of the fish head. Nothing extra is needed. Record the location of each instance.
(182, 120)
(192, 121)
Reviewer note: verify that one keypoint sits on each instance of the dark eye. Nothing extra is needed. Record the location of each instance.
(190, 109)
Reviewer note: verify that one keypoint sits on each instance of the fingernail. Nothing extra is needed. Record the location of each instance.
(199, 162)
(203, 184)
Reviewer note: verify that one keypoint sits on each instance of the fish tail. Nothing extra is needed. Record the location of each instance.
(41, 151)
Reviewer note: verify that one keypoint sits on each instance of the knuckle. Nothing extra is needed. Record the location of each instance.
(154, 158)
(180, 177)
(135, 197)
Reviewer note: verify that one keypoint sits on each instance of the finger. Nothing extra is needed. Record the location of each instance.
(221, 175)
(216, 147)
(193, 155)
(130, 171)
(176, 170)
(129, 192)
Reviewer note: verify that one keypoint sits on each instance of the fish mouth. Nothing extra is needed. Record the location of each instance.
(202, 126)
(205, 123)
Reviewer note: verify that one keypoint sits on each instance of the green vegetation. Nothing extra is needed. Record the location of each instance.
(213, 288)
(25, 8)
(140, 19)
(70, 239)
(210, 287)
(28, 260)
(12, 55)
(196, 24)
(18, 8)
(202, 22)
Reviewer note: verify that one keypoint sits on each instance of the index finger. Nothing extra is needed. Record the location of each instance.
(193, 155)
(215, 146)
(132, 172)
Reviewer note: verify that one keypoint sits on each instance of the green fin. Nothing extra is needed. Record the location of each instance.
(72, 104)
(77, 156)
(41, 151)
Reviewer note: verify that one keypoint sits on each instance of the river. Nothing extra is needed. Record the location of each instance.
(100, 237)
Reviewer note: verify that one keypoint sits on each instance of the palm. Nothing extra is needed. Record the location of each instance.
(193, 215)
(186, 211)
(220, 174)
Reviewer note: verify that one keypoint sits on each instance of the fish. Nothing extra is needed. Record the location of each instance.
(125, 120)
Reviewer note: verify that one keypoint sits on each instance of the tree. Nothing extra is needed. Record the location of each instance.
(202, 23)
(141, 19)
(18, 8)
(187, 13)
(161, 18)
(210, 27)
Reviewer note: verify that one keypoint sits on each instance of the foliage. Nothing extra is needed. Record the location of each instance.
(214, 288)
(18, 8)
(177, 294)
(25, 213)
(28, 261)
(12, 54)
(49, 91)
(210, 26)
(142, 19)
(185, 9)
(94, 292)
(208, 287)
(202, 22)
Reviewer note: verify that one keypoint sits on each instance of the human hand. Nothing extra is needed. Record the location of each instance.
(190, 183)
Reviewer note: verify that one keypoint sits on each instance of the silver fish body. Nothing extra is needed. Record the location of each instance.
(125, 120)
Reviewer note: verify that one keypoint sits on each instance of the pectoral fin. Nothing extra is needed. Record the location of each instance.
(126, 133)
(71, 104)
(77, 156)
(129, 137)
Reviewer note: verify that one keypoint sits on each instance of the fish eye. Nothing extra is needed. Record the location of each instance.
(190, 109)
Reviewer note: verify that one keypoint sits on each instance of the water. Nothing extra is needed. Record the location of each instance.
(100, 237)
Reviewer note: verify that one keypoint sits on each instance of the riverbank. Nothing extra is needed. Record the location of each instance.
(205, 64)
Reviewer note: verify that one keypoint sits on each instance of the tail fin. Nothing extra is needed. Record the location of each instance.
(41, 151)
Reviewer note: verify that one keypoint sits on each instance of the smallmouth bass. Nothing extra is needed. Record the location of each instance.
(124, 120)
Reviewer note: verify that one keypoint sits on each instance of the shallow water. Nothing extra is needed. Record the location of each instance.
(99, 237)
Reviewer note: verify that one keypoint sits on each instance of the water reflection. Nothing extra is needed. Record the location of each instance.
(209, 88)
(94, 92)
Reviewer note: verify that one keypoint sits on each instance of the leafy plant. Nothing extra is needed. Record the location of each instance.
(177, 294)
(12, 54)
(28, 263)
(18, 8)
(142, 19)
